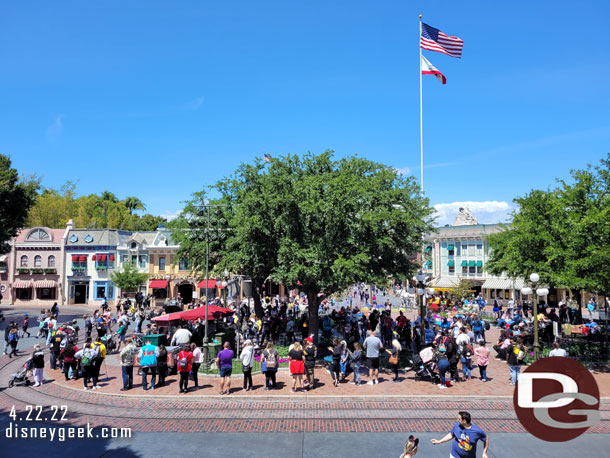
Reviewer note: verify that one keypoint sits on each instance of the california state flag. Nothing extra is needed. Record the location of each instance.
(428, 69)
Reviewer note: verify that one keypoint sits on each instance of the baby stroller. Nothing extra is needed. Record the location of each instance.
(21, 378)
(109, 341)
(424, 365)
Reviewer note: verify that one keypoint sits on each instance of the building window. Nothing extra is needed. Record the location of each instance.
(104, 289)
(143, 260)
(451, 270)
(24, 261)
(161, 262)
(472, 271)
(37, 261)
(471, 249)
(124, 259)
(184, 265)
(134, 245)
(24, 293)
(479, 270)
(51, 261)
(479, 249)
(464, 270)
(38, 235)
(47, 293)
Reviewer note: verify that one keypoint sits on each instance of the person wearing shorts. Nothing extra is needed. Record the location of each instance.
(224, 361)
(372, 345)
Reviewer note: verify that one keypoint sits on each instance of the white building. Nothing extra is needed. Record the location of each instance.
(461, 251)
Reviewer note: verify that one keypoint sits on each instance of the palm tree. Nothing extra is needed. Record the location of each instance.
(133, 203)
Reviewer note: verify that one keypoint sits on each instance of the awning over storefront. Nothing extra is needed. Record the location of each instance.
(472, 263)
(479, 263)
(158, 284)
(464, 263)
(22, 284)
(451, 263)
(82, 258)
(211, 284)
(45, 284)
(429, 263)
(443, 282)
(497, 283)
(450, 247)
(74, 258)
(103, 257)
(94, 257)
(428, 248)
(111, 257)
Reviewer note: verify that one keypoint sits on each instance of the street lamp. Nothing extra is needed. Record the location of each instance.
(534, 279)
(420, 277)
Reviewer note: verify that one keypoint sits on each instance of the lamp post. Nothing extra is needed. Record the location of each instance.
(205, 211)
(534, 279)
(420, 277)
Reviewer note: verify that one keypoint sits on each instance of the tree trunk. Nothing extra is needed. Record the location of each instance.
(256, 295)
(313, 302)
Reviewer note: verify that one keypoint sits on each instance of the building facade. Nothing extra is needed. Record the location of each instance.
(34, 268)
(90, 257)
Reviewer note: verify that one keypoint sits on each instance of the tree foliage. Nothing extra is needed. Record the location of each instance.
(128, 278)
(16, 197)
(563, 234)
(319, 223)
(54, 208)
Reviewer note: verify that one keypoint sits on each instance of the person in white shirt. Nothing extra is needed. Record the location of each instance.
(556, 351)
(181, 337)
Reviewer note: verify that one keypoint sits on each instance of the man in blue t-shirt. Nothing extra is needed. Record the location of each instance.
(465, 436)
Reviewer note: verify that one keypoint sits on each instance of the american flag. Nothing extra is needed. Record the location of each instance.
(434, 40)
(267, 158)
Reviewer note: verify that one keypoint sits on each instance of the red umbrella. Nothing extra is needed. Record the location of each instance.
(167, 318)
(213, 312)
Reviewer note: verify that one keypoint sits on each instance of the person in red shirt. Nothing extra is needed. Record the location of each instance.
(185, 357)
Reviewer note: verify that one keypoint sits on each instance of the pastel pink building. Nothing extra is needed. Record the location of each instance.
(35, 268)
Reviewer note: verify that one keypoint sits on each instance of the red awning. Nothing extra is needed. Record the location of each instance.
(111, 257)
(211, 284)
(159, 284)
(213, 312)
(167, 318)
(82, 258)
(74, 258)
(94, 257)
(103, 257)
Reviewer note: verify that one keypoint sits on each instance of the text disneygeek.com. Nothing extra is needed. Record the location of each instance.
(61, 433)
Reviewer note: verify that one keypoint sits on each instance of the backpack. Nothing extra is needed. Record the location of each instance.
(442, 347)
(12, 337)
(270, 360)
(85, 360)
(183, 363)
(487, 326)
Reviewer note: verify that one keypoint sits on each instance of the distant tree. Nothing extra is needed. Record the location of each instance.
(133, 203)
(463, 290)
(17, 196)
(128, 278)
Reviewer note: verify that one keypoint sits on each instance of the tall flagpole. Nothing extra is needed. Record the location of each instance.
(421, 115)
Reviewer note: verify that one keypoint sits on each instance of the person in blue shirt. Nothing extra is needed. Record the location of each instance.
(464, 436)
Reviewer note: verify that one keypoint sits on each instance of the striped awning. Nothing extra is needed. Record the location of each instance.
(22, 284)
(501, 283)
(444, 282)
(45, 284)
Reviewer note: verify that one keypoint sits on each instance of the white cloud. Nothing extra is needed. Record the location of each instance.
(53, 132)
(170, 215)
(488, 212)
(404, 171)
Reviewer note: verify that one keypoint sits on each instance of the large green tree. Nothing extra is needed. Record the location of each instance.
(320, 223)
(562, 233)
(16, 198)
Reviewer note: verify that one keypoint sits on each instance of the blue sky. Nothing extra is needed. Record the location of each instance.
(158, 99)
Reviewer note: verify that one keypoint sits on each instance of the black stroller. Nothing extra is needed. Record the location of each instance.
(424, 365)
(21, 378)
(110, 343)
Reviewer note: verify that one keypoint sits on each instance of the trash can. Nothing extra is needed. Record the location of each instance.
(155, 339)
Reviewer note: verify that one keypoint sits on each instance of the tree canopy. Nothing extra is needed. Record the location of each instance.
(563, 233)
(128, 278)
(16, 198)
(54, 208)
(320, 224)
